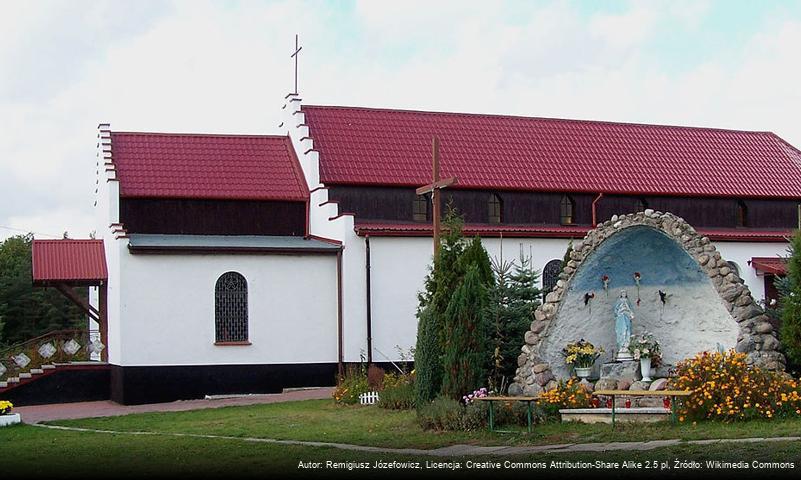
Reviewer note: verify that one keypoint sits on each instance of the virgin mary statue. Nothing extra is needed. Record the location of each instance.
(623, 317)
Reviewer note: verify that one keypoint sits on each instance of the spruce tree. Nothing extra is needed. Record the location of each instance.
(498, 318)
(790, 331)
(524, 298)
(465, 327)
(440, 283)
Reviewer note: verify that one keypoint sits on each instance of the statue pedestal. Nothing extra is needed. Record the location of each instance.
(629, 370)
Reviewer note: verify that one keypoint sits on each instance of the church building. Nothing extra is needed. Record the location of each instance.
(251, 263)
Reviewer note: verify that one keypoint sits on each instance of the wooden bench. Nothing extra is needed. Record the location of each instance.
(644, 393)
(492, 400)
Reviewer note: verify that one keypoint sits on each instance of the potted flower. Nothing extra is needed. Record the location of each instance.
(581, 356)
(6, 417)
(645, 348)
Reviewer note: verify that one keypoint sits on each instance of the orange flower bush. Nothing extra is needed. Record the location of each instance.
(726, 388)
(570, 394)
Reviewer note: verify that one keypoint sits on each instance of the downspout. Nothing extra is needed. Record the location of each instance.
(594, 213)
(340, 333)
(369, 301)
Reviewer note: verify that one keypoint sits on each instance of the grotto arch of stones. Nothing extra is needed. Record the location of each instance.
(707, 306)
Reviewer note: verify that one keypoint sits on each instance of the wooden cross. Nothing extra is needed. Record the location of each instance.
(434, 187)
(295, 56)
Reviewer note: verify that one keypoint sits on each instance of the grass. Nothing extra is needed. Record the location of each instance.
(321, 420)
(36, 452)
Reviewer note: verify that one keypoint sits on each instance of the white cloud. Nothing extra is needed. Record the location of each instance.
(225, 67)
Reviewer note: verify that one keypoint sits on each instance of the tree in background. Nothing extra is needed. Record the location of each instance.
(440, 283)
(25, 311)
(790, 331)
(465, 350)
(513, 299)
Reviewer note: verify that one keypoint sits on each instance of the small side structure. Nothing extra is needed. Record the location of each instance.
(755, 335)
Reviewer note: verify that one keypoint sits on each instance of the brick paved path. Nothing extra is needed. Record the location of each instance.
(107, 408)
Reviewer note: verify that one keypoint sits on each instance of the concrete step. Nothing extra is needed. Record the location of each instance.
(3, 384)
(24, 375)
(36, 371)
(13, 380)
(48, 367)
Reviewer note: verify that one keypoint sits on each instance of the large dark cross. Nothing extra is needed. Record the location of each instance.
(434, 187)
(295, 56)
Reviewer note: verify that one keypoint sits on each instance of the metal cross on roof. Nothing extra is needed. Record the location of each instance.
(295, 56)
(434, 187)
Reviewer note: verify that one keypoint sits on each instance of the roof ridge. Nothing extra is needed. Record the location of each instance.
(553, 119)
(200, 134)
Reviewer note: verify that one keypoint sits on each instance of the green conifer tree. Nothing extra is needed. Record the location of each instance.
(790, 331)
(440, 283)
(465, 349)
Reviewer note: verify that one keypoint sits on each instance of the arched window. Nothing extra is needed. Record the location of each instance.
(231, 308)
(734, 268)
(550, 275)
(567, 210)
(494, 205)
(642, 204)
(742, 214)
(420, 208)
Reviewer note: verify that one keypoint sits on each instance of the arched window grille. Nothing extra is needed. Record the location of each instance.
(231, 308)
(494, 204)
(742, 214)
(550, 275)
(420, 208)
(734, 268)
(567, 210)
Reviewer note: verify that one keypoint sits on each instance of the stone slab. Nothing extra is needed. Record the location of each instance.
(622, 415)
(621, 370)
(11, 419)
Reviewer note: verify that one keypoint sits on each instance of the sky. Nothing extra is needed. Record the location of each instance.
(225, 67)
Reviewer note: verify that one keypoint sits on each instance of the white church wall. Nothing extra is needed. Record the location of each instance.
(167, 311)
(741, 252)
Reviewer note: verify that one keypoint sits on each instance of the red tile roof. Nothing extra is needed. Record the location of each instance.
(231, 167)
(770, 265)
(76, 261)
(393, 147)
(406, 229)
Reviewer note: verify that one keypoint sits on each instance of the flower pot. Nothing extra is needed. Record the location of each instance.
(583, 372)
(645, 368)
(10, 419)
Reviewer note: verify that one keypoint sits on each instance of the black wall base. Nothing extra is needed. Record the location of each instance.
(67, 384)
(138, 385)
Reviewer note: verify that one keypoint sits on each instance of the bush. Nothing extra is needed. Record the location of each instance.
(442, 413)
(726, 388)
(350, 385)
(570, 394)
(375, 377)
(398, 393)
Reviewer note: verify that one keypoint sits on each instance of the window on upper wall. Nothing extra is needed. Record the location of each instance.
(642, 204)
(495, 209)
(567, 210)
(550, 275)
(420, 208)
(231, 308)
(742, 214)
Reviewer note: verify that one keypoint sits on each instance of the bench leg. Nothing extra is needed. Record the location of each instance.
(491, 417)
(613, 412)
(529, 416)
(673, 410)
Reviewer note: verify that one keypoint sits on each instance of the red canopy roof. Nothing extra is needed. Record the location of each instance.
(770, 265)
(232, 167)
(393, 147)
(69, 261)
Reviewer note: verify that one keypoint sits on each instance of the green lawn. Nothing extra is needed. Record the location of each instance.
(321, 420)
(37, 452)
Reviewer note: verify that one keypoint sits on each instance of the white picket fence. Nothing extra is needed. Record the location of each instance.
(369, 398)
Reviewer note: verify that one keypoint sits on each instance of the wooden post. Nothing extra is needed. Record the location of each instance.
(434, 187)
(102, 303)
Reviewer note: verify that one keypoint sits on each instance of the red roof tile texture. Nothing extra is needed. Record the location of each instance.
(68, 261)
(230, 167)
(393, 147)
(552, 231)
